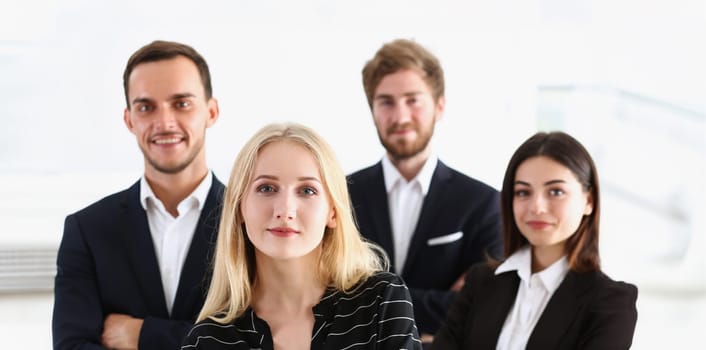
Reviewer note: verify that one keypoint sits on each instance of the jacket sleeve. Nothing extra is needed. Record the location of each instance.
(396, 328)
(77, 321)
(450, 335)
(159, 333)
(486, 230)
(430, 307)
(611, 322)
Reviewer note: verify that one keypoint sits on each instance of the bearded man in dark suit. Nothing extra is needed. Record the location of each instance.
(433, 221)
(132, 267)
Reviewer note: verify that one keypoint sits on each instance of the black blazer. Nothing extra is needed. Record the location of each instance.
(587, 311)
(459, 222)
(107, 264)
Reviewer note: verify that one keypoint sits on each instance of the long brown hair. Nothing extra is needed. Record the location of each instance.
(582, 246)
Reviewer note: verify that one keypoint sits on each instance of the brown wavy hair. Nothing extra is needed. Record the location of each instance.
(398, 55)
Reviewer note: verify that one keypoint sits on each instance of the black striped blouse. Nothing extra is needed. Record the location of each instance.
(376, 315)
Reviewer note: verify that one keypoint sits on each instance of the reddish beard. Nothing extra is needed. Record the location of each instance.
(402, 148)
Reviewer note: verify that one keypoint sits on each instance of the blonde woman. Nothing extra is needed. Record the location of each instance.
(291, 270)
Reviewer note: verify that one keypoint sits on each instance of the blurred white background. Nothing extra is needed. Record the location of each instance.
(626, 77)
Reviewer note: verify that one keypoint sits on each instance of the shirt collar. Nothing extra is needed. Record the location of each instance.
(199, 194)
(392, 175)
(521, 261)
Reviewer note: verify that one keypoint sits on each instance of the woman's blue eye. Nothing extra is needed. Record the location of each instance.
(265, 188)
(308, 191)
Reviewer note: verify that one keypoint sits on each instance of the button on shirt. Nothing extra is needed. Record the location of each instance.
(405, 199)
(172, 236)
(533, 294)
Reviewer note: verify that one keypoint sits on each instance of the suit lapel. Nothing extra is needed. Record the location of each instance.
(193, 280)
(427, 217)
(493, 306)
(376, 198)
(140, 248)
(560, 311)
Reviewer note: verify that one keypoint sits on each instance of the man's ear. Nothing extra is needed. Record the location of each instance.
(213, 112)
(440, 107)
(126, 119)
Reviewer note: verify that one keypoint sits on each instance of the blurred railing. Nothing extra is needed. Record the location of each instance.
(33, 206)
(651, 157)
(27, 269)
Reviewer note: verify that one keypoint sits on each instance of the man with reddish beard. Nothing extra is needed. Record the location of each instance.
(132, 268)
(433, 221)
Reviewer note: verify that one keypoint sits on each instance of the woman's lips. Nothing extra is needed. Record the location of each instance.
(283, 231)
(538, 225)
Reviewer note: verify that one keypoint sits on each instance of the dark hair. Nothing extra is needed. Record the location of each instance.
(403, 54)
(582, 246)
(163, 50)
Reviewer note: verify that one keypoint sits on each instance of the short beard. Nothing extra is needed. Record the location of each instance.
(176, 168)
(402, 149)
(171, 170)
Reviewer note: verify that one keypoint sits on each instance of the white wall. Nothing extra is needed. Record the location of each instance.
(61, 64)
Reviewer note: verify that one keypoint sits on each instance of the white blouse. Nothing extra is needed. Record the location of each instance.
(533, 294)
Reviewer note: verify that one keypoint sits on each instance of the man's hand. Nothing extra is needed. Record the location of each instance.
(426, 338)
(121, 332)
(456, 287)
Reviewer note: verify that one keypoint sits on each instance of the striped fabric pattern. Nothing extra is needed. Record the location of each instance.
(377, 314)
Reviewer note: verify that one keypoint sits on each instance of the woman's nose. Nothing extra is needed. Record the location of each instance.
(538, 205)
(285, 208)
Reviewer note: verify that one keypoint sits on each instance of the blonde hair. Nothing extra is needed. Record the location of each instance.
(346, 258)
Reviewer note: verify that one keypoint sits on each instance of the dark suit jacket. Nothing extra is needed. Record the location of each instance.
(455, 203)
(107, 264)
(587, 311)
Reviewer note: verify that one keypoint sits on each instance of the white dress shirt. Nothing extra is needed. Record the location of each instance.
(405, 199)
(532, 297)
(172, 236)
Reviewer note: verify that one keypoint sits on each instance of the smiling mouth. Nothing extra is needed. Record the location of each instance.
(538, 225)
(169, 141)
